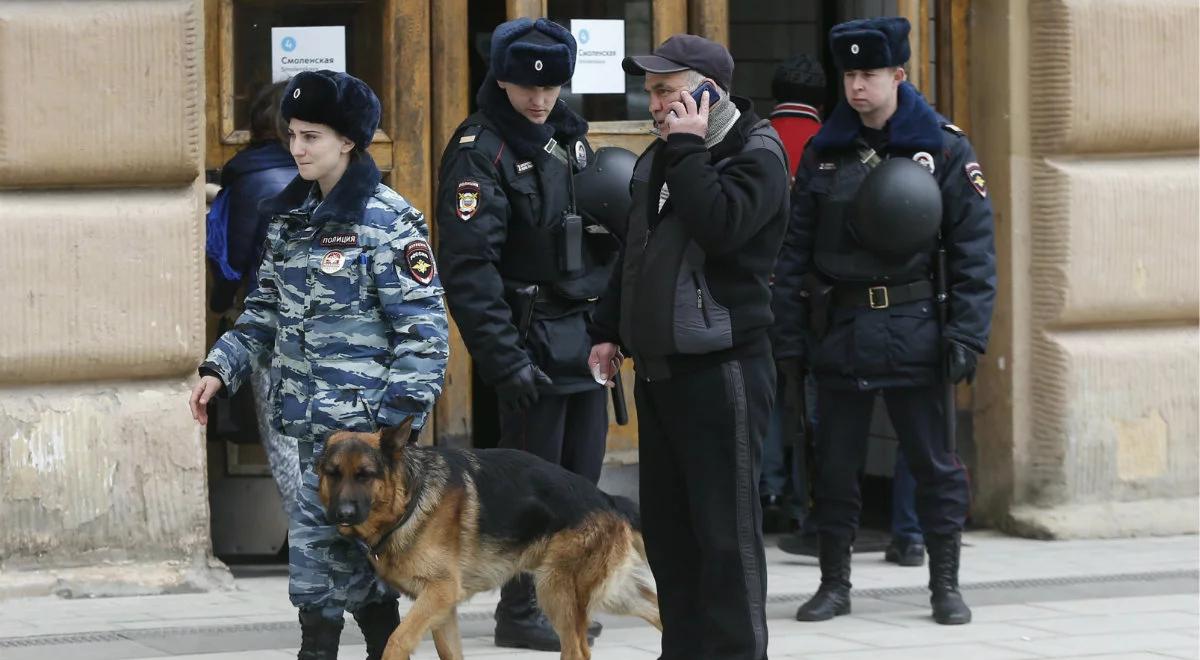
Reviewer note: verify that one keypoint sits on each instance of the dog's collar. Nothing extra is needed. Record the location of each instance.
(409, 510)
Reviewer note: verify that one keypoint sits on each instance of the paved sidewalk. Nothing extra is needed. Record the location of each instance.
(1128, 598)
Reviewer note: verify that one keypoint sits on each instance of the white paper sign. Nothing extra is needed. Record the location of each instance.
(296, 49)
(600, 47)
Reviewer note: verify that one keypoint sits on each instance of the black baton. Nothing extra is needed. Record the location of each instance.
(943, 303)
(620, 411)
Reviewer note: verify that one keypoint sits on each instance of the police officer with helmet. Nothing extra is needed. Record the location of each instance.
(523, 269)
(889, 262)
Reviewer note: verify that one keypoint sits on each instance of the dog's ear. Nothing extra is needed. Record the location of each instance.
(319, 457)
(393, 439)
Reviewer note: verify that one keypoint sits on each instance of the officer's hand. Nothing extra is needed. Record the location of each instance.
(520, 390)
(684, 117)
(201, 394)
(605, 361)
(960, 362)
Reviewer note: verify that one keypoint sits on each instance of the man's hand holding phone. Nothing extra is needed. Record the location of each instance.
(689, 115)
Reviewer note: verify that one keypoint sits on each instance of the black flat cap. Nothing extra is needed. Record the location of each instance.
(682, 52)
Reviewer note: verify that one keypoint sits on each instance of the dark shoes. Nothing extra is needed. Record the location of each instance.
(521, 624)
(319, 637)
(910, 553)
(948, 606)
(833, 596)
(799, 543)
(775, 517)
(377, 621)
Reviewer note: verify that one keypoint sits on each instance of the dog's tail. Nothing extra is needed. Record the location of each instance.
(628, 510)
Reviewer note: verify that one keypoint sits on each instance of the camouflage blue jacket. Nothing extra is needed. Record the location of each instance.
(348, 306)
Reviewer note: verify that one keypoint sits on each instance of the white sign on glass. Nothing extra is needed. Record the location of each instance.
(600, 47)
(296, 49)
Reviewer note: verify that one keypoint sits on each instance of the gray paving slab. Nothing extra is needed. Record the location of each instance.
(1119, 621)
(1120, 643)
(123, 650)
(948, 652)
(1123, 598)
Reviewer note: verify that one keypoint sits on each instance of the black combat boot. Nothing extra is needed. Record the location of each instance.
(948, 606)
(833, 596)
(377, 621)
(319, 637)
(521, 624)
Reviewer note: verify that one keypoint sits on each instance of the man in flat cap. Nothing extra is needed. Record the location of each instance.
(870, 274)
(523, 270)
(692, 307)
(349, 309)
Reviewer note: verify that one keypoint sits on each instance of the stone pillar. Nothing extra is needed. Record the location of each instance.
(102, 471)
(1087, 126)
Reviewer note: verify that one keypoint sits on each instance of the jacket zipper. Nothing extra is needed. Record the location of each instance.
(700, 300)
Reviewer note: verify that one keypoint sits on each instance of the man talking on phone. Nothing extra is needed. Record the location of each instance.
(691, 305)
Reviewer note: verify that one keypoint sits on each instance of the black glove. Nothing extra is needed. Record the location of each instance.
(960, 362)
(520, 390)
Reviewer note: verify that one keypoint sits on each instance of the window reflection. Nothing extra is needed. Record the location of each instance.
(639, 37)
(252, 23)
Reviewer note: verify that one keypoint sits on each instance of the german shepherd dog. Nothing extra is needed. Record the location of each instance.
(443, 524)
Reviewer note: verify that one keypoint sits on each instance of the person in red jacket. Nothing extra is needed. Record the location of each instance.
(799, 89)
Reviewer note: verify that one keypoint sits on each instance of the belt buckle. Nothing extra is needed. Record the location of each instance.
(877, 297)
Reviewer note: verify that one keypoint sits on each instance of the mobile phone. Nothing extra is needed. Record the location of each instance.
(713, 94)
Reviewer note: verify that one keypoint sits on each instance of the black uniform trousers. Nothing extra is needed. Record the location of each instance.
(565, 429)
(843, 423)
(700, 438)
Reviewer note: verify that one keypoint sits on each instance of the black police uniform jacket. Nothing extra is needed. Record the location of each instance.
(500, 207)
(899, 345)
(693, 287)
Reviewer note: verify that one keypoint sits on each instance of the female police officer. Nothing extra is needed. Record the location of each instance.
(522, 270)
(350, 309)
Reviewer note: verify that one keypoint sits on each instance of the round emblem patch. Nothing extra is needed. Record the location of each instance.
(332, 262)
(924, 159)
(854, 49)
(537, 65)
(580, 155)
(296, 94)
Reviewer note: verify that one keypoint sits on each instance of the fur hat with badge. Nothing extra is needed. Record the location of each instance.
(528, 52)
(870, 43)
(338, 100)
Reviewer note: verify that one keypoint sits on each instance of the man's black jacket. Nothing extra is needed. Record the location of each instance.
(692, 288)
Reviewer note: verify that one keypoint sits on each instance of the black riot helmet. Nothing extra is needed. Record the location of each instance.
(602, 190)
(898, 209)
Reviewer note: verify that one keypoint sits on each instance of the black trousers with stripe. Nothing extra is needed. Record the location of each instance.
(700, 439)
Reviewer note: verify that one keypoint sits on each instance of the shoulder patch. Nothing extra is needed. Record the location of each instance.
(975, 176)
(468, 199)
(954, 129)
(418, 259)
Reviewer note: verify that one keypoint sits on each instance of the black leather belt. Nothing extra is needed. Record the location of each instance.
(882, 297)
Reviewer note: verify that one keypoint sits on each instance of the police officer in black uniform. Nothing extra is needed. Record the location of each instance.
(522, 270)
(868, 289)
